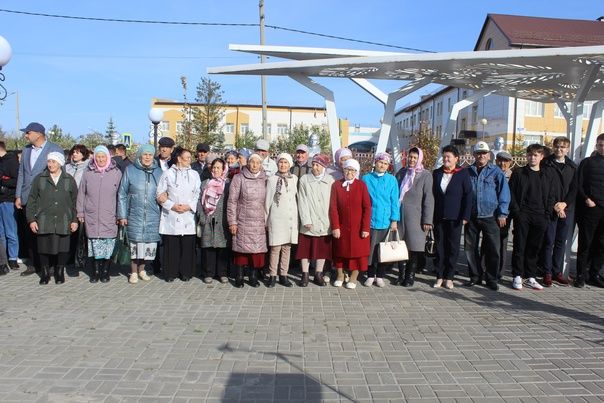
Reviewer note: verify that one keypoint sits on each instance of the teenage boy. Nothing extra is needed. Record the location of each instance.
(563, 220)
(534, 189)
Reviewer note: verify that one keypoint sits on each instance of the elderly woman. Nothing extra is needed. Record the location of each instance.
(350, 215)
(178, 193)
(138, 210)
(231, 158)
(343, 154)
(51, 215)
(385, 213)
(97, 208)
(282, 219)
(313, 206)
(417, 206)
(246, 218)
(215, 235)
(452, 191)
(78, 156)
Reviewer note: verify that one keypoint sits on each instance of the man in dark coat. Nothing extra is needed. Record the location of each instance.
(9, 171)
(200, 165)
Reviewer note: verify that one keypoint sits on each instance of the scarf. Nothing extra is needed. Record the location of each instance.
(282, 179)
(452, 171)
(212, 193)
(410, 174)
(346, 184)
(104, 150)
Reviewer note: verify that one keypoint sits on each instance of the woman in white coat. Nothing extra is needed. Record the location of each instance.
(178, 193)
(282, 219)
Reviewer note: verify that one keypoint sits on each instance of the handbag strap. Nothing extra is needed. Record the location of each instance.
(397, 236)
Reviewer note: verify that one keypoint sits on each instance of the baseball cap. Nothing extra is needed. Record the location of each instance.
(302, 147)
(262, 145)
(34, 127)
(481, 147)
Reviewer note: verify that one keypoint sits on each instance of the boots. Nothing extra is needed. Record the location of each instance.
(284, 281)
(105, 270)
(239, 276)
(271, 282)
(319, 280)
(254, 278)
(44, 275)
(60, 275)
(94, 275)
(410, 272)
(304, 281)
(401, 272)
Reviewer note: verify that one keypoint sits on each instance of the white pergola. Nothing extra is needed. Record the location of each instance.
(557, 75)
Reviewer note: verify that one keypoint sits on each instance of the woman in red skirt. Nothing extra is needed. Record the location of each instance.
(350, 215)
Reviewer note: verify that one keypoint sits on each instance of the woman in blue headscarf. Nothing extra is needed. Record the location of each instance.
(139, 211)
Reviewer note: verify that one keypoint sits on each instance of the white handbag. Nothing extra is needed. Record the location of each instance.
(393, 251)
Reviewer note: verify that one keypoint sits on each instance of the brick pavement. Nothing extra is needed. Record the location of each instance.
(181, 342)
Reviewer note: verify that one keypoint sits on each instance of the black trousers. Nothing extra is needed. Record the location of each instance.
(214, 262)
(591, 239)
(447, 234)
(491, 248)
(179, 256)
(529, 230)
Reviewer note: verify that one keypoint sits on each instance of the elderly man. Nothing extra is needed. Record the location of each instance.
(200, 165)
(262, 148)
(490, 204)
(302, 165)
(166, 146)
(33, 162)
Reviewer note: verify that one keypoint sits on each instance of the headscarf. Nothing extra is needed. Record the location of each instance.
(283, 177)
(56, 156)
(383, 156)
(104, 150)
(213, 191)
(145, 149)
(351, 163)
(411, 172)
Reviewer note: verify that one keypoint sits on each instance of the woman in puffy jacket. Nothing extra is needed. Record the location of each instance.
(97, 208)
(246, 218)
(178, 193)
(139, 211)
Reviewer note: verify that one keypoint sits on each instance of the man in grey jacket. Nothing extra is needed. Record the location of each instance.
(33, 162)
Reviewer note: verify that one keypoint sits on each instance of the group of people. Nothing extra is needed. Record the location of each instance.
(246, 211)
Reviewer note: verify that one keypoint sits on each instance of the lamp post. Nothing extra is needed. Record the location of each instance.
(5, 54)
(155, 116)
(484, 122)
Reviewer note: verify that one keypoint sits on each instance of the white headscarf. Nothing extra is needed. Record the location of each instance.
(354, 164)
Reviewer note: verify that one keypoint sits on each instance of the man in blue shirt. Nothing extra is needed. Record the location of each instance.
(489, 213)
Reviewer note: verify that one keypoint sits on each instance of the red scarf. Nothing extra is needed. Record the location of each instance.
(452, 171)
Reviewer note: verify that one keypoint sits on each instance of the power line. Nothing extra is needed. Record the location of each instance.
(216, 24)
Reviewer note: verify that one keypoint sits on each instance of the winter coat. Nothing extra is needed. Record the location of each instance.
(456, 203)
(417, 209)
(567, 175)
(52, 206)
(76, 169)
(214, 227)
(137, 201)
(350, 212)
(282, 218)
(182, 186)
(9, 171)
(245, 209)
(383, 191)
(313, 204)
(590, 180)
(301, 170)
(27, 173)
(97, 200)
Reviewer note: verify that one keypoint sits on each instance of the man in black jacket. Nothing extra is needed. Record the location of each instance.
(563, 221)
(9, 171)
(200, 165)
(590, 196)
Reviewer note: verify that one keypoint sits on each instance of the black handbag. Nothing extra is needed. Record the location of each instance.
(82, 248)
(430, 247)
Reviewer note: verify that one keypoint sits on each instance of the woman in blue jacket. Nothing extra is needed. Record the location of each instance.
(138, 210)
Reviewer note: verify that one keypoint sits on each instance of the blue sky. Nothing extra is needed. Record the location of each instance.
(78, 74)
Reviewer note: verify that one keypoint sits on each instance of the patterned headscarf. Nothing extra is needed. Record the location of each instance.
(283, 177)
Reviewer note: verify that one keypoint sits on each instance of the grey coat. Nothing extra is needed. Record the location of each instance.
(28, 173)
(245, 209)
(214, 227)
(97, 200)
(417, 209)
(137, 204)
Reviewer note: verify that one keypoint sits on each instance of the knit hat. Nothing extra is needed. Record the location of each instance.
(286, 156)
(145, 149)
(321, 159)
(56, 156)
(254, 155)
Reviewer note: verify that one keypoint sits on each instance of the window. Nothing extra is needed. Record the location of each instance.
(164, 126)
(464, 124)
(489, 44)
(532, 108)
(586, 110)
(439, 108)
(532, 139)
(281, 129)
(229, 128)
(449, 104)
(244, 128)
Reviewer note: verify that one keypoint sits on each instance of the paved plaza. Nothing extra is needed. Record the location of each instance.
(181, 342)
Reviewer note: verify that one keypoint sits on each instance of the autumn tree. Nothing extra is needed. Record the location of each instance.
(429, 143)
(56, 135)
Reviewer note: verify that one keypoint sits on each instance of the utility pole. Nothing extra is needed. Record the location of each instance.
(17, 113)
(263, 78)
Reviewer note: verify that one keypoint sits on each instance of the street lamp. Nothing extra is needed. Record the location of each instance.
(484, 122)
(155, 116)
(5, 54)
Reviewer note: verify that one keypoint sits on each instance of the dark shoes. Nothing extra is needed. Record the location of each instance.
(13, 264)
(59, 275)
(305, 279)
(238, 276)
(560, 279)
(284, 281)
(547, 280)
(4, 269)
(318, 280)
(409, 279)
(105, 277)
(254, 278)
(29, 271)
(44, 275)
(579, 282)
(472, 282)
(271, 282)
(492, 286)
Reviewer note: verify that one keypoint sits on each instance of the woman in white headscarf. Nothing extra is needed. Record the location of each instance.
(282, 219)
(417, 206)
(350, 215)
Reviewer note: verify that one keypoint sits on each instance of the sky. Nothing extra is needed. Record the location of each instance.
(78, 74)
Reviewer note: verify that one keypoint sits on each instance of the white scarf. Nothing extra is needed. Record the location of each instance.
(347, 184)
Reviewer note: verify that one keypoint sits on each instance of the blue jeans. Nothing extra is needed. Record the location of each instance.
(8, 229)
(555, 245)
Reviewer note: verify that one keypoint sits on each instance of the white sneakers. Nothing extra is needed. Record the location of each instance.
(380, 282)
(531, 283)
(369, 282)
(338, 283)
(143, 276)
(351, 286)
(377, 280)
(133, 278)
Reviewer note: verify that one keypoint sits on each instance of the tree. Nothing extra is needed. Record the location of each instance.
(518, 149)
(247, 140)
(110, 132)
(300, 134)
(430, 144)
(56, 135)
(184, 137)
(207, 117)
(92, 139)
